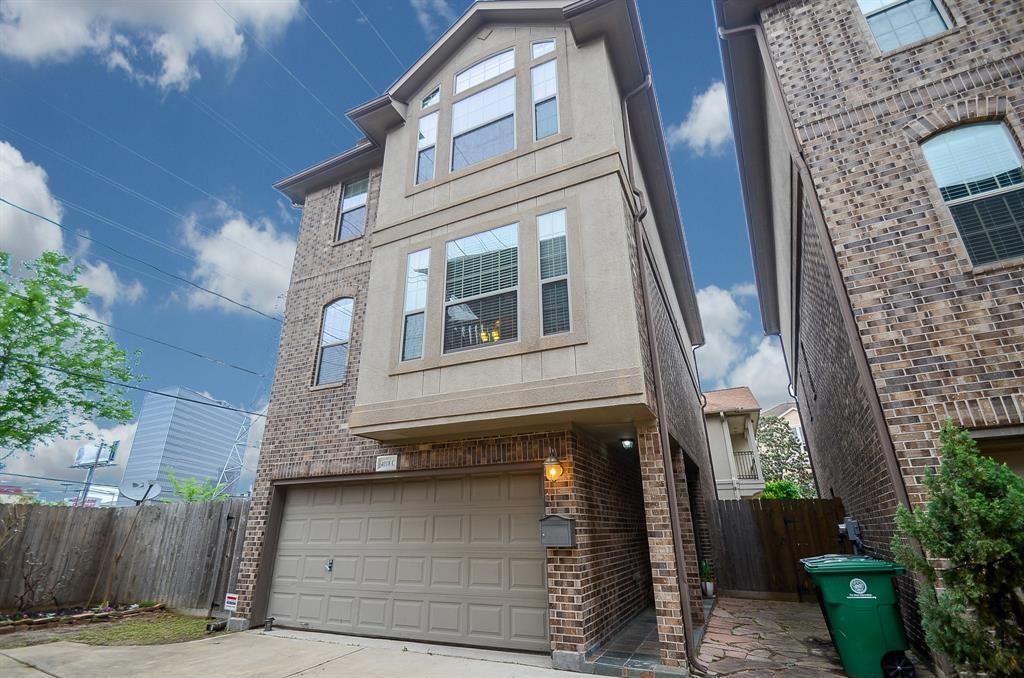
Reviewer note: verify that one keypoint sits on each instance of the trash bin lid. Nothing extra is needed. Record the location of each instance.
(844, 562)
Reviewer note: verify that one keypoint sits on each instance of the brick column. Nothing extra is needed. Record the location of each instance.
(659, 539)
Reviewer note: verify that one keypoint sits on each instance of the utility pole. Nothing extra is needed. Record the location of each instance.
(91, 457)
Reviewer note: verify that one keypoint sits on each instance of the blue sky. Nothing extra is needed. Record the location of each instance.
(172, 120)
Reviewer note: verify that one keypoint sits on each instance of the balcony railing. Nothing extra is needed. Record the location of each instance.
(746, 465)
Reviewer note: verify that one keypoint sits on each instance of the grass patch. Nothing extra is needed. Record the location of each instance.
(151, 629)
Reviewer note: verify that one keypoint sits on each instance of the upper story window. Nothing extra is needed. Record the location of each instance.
(895, 23)
(545, 99)
(482, 289)
(482, 71)
(542, 47)
(978, 170)
(417, 276)
(554, 273)
(483, 125)
(333, 359)
(426, 148)
(431, 99)
(352, 219)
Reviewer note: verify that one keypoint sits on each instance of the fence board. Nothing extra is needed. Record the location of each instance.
(176, 553)
(765, 540)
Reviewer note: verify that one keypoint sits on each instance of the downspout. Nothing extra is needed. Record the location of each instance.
(640, 211)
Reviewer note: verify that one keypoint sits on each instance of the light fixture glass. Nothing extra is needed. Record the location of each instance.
(627, 443)
(552, 467)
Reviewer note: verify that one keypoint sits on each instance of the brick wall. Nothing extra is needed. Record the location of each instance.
(941, 337)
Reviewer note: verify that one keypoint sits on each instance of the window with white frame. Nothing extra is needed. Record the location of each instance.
(426, 148)
(333, 359)
(417, 276)
(545, 99)
(895, 23)
(979, 172)
(542, 47)
(483, 125)
(352, 219)
(482, 71)
(482, 289)
(554, 273)
(431, 99)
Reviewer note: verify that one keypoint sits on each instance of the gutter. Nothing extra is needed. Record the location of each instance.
(639, 212)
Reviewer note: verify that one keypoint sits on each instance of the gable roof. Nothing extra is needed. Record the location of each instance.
(739, 399)
(618, 23)
(779, 409)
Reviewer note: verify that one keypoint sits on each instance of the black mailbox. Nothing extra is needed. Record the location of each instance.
(558, 531)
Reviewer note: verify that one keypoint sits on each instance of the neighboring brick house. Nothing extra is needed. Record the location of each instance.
(468, 302)
(880, 155)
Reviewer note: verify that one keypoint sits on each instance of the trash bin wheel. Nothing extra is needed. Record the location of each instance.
(897, 665)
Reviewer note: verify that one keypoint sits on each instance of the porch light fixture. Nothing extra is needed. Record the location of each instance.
(552, 467)
(627, 443)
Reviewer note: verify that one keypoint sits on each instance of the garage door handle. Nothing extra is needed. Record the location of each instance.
(329, 565)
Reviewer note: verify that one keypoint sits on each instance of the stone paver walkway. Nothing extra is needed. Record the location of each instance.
(768, 638)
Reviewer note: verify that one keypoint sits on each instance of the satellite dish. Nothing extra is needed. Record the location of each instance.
(136, 490)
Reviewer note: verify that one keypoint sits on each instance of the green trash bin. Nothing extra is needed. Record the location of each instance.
(859, 603)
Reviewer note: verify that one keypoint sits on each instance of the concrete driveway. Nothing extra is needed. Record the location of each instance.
(278, 654)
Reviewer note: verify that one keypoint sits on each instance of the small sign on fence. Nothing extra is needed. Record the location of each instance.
(231, 602)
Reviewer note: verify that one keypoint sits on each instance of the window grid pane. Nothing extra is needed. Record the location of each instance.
(555, 305)
(553, 261)
(483, 143)
(425, 165)
(546, 118)
(542, 47)
(482, 263)
(490, 67)
(412, 340)
(483, 107)
(355, 194)
(333, 360)
(337, 323)
(992, 228)
(904, 23)
(352, 223)
(428, 131)
(973, 159)
(481, 322)
(545, 80)
(431, 98)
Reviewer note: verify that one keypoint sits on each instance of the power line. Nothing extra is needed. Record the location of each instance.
(377, 33)
(58, 480)
(119, 384)
(132, 192)
(141, 261)
(218, 361)
(338, 49)
(285, 68)
(238, 133)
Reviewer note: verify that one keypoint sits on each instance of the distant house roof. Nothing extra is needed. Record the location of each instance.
(739, 399)
(779, 409)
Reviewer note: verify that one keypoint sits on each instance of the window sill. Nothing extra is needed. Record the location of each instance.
(348, 240)
(982, 269)
(328, 387)
(914, 45)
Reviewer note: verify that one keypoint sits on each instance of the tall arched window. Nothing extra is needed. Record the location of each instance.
(978, 170)
(334, 342)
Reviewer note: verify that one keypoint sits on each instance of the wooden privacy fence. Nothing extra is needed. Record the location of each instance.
(765, 540)
(184, 555)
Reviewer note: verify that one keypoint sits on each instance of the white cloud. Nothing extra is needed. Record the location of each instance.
(235, 260)
(107, 285)
(24, 236)
(724, 321)
(706, 128)
(128, 34)
(736, 353)
(764, 371)
(433, 15)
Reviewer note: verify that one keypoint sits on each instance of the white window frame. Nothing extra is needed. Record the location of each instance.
(496, 55)
(434, 92)
(342, 211)
(347, 342)
(937, 4)
(419, 151)
(542, 280)
(558, 108)
(421, 310)
(515, 124)
(505, 290)
(533, 46)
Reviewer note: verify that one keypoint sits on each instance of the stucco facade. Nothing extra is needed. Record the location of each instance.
(731, 416)
(889, 322)
(622, 369)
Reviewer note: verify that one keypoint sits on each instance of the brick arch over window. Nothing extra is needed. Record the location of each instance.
(335, 335)
(978, 109)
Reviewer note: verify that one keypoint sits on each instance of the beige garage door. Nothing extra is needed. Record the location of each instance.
(453, 559)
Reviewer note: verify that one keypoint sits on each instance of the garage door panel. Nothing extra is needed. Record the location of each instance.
(451, 559)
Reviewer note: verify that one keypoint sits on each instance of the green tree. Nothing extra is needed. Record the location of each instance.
(54, 367)
(783, 457)
(191, 490)
(781, 489)
(973, 525)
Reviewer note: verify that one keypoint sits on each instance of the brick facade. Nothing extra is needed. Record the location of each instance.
(931, 336)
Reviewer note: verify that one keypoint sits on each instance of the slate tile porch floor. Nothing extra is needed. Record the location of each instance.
(634, 647)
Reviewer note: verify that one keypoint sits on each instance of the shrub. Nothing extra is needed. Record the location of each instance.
(781, 489)
(973, 524)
